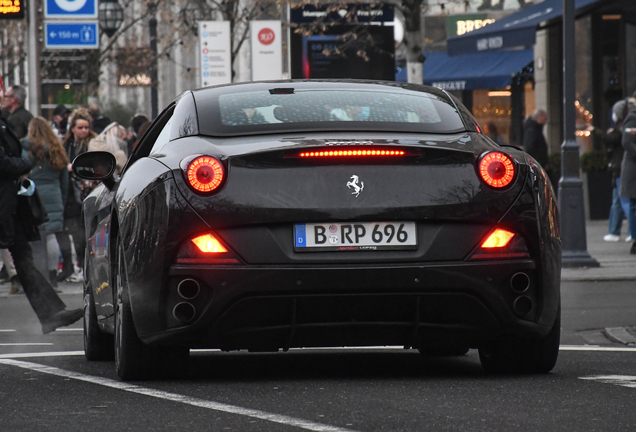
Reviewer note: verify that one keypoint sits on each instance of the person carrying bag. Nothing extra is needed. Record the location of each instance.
(47, 305)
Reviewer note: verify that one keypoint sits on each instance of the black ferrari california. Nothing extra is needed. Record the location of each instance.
(275, 215)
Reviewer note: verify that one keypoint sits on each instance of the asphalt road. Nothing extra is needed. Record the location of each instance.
(47, 385)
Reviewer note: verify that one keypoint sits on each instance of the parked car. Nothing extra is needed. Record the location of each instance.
(275, 215)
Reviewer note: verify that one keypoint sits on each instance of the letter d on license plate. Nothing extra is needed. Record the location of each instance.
(354, 236)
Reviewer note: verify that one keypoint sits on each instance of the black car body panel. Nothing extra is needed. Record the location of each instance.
(274, 296)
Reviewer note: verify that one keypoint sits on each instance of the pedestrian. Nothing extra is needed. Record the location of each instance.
(492, 133)
(47, 305)
(50, 176)
(534, 141)
(60, 120)
(19, 117)
(98, 121)
(614, 148)
(11, 273)
(75, 143)
(135, 123)
(628, 168)
(142, 130)
(110, 142)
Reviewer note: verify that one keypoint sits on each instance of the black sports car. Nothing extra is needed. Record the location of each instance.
(273, 215)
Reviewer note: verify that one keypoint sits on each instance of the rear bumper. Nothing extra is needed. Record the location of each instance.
(269, 308)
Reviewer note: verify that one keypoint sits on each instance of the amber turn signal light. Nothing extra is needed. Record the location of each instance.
(496, 169)
(205, 174)
(207, 243)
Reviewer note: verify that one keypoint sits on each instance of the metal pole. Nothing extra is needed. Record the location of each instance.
(154, 96)
(33, 60)
(574, 242)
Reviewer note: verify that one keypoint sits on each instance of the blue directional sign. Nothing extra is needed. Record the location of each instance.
(73, 9)
(71, 35)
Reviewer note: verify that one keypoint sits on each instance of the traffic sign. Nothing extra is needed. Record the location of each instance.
(71, 35)
(70, 9)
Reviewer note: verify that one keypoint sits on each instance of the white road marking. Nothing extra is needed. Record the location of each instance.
(25, 344)
(42, 354)
(69, 329)
(174, 397)
(628, 381)
(6, 330)
(596, 348)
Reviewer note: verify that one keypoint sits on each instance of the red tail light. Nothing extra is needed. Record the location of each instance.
(501, 244)
(352, 153)
(205, 174)
(496, 169)
(497, 239)
(207, 243)
(205, 249)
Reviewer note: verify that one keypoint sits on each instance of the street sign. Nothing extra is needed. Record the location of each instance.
(11, 9)
(70, 9)
(71, 35)
(215, 52)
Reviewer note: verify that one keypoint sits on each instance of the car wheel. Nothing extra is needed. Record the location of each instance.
(97, 345)
(523, 355)
(133, 359)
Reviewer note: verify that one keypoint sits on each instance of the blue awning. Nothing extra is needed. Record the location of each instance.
(472, 71)
(516, 30)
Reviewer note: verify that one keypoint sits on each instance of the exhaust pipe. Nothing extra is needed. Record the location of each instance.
(188, 289)
(523, 305)
(520, 282)
(184, 312)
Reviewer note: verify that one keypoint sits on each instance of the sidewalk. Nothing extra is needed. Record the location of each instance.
(614, 258)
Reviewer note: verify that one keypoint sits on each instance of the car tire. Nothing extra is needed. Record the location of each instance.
(98, 346)
(133, 359)
(523, 355)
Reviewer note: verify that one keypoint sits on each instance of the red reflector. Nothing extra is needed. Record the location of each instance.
(207, 243)
(352, 153)
(496, 169)
(499, 238)
(205, 174)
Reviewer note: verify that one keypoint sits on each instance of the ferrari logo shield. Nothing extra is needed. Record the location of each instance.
(356, 184)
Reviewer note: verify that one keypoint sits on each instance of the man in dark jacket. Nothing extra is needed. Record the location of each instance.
(533, 140)
(47, 305)
(19, 117)
(628, 168)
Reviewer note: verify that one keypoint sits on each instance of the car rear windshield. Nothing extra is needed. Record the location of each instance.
(288, 109)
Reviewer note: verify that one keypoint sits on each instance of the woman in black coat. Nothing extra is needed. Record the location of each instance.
(75, 143)
(47, 305)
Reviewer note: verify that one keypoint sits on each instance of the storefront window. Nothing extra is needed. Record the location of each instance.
(493, 107)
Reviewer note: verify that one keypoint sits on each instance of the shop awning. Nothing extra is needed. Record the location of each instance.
(516, 30)
(472, 71)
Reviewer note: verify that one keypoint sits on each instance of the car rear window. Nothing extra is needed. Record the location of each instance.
(277, 110)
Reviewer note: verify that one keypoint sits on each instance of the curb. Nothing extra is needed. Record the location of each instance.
(620, 335)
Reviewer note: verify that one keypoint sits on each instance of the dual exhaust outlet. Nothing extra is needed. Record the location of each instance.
(188, 289)
(520, 283)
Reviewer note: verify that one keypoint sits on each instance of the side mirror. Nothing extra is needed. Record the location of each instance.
(96, 165)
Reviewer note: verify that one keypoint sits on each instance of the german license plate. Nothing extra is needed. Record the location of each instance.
(358, 236)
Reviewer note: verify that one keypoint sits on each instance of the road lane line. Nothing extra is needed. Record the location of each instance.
(628, 381)
(596, 348)
(42, 354)
(174, 397)
(26, 344)
(7, 330)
